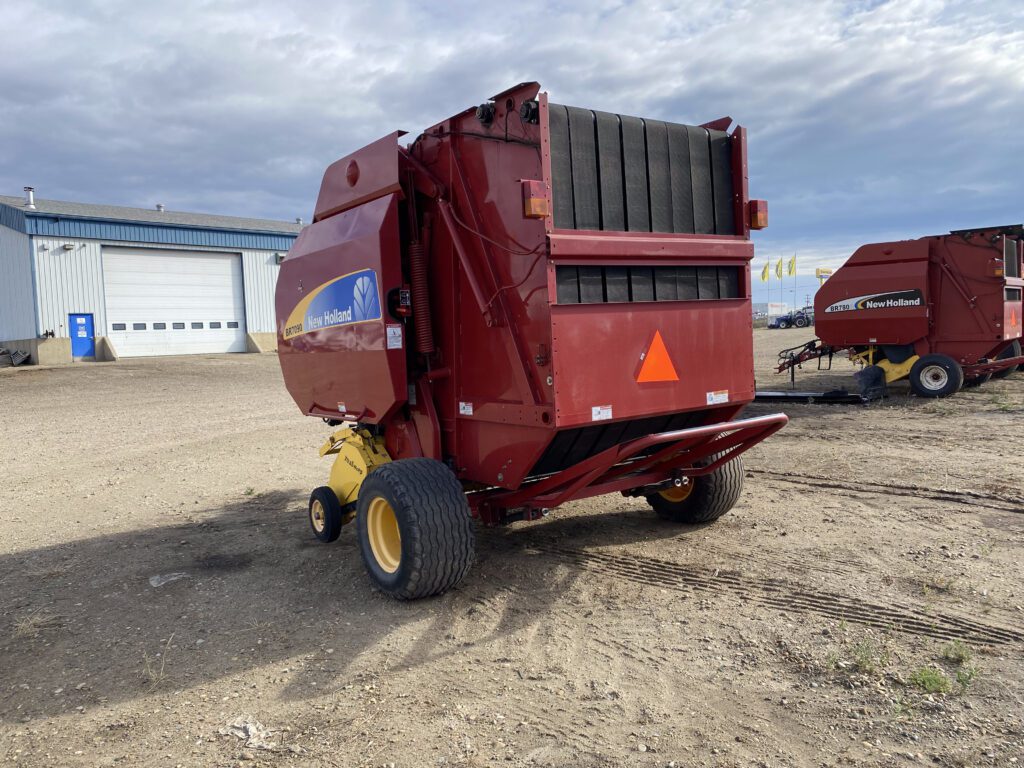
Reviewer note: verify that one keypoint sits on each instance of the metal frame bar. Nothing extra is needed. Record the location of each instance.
(608, 471)
(993, 366)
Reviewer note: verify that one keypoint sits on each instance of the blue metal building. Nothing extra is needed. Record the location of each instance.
(103, 282)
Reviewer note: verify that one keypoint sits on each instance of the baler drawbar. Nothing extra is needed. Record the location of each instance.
(527, 305)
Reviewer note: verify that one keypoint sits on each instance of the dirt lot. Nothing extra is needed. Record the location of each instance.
(158, 582)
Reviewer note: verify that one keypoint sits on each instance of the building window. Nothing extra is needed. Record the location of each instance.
(197, 325)
(138, 326)
(159, 326)
(119, 327)
(215, 325)
(232, 324)
(178, 326)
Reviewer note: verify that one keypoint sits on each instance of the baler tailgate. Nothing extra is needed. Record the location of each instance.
(651, 360)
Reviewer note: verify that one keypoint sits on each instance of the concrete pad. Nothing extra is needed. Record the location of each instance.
(48, 351)
(261, 342)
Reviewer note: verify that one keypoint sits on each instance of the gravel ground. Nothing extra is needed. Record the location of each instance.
(163, 603)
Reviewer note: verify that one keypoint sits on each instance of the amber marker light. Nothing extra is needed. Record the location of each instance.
(758, 214)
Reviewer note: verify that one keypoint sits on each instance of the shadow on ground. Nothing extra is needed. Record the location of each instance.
(82, 624)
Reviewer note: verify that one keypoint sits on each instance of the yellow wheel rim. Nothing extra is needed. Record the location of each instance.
(678, 493)
(382, 529)
(317, 516)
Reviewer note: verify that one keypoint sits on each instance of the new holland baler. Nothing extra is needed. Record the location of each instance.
(942, 311)
(526, 305)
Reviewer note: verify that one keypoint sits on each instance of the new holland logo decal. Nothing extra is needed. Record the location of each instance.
(888, 300)
(345, 300)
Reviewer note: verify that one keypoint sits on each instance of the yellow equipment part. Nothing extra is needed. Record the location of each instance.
(358, 453)
(893, 371)
(896, 371)
(867, 357)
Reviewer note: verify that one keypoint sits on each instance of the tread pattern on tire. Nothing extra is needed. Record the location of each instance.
(977, 381)
(332, 512)
(434, 516)
(713, 495)
(1013, 350)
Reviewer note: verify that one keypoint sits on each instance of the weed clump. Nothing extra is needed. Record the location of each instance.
(931, 680)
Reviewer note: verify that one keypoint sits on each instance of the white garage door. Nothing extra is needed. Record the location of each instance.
(173, 302)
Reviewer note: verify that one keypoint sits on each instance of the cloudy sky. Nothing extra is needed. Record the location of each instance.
(868, 120)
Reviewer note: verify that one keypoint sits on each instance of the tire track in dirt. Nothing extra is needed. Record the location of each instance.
(967, 498)
(781, 595)
(800, 434)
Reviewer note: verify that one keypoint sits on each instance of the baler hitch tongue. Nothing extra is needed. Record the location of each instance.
(795, 357)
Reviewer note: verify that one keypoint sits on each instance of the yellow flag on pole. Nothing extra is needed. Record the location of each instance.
(792, 266)
(778, 269)
(764, 272)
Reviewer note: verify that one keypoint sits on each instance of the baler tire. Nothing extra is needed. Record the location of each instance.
(1011, 351)
(977, 381)
(949, 384)
(325, 519)
(435, 539)
(711, 496)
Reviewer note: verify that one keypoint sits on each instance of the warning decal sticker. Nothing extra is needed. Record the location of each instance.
(394, 333)
(718, 397)
(887, 300)
(657, 365)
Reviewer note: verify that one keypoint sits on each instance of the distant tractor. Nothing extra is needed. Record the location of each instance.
(798, 318)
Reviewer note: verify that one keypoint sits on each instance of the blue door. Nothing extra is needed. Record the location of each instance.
(83, 340)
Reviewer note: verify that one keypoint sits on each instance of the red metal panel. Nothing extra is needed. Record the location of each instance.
(597, 348)
(579, 245)
(364, 175)
(344, 369)
(741, 194)
(970, 299)
(874, 270)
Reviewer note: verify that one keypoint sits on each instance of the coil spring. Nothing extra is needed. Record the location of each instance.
(421, 298)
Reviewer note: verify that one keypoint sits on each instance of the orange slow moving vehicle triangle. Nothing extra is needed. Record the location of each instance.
(657, 365)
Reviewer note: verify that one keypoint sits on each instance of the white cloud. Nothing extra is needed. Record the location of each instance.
(867, 120)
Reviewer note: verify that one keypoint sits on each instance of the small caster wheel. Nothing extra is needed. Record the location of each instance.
(325, 515)
(936, 376)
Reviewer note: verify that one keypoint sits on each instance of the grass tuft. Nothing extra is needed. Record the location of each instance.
(965, 676)
(34, 623)
(152, 670)
(957, 652)
(868, 658)
(931, 680)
